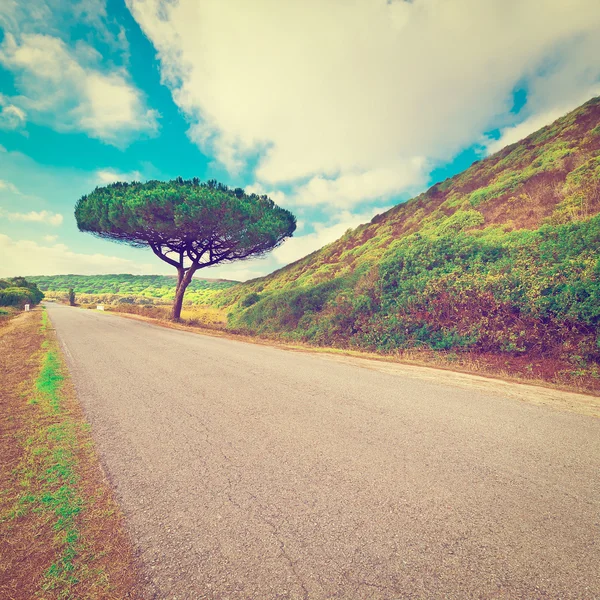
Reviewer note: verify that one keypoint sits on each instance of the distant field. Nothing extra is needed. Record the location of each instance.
(124, 289)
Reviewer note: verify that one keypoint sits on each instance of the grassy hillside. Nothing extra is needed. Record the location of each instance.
(142, 289)
(500, 260)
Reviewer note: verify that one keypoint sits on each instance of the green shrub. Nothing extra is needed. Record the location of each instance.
(16, 296)
(249, 300)
(17, 291)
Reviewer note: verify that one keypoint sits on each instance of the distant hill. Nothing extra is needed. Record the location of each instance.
(501, 259)
(130, 287)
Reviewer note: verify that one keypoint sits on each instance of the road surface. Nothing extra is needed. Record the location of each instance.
(246, 471)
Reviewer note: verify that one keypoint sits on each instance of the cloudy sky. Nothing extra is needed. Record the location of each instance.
(337, 110)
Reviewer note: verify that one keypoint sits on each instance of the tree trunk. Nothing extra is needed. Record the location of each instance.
(178, 302)
(183, 280)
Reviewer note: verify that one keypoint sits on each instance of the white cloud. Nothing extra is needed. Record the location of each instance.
(355, 187)
(50, 238)
(106, 176)
(89, 19)
(64, 88)
(43, 216)
(297, 247)
(26, 257)
(341, 94)
(11, 187)
(11, 116)
(515, 133)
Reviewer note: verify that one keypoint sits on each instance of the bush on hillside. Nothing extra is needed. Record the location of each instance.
(249, 300)
(17, 291)
(16, 296)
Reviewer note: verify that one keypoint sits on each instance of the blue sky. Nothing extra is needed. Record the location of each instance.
(336, 110)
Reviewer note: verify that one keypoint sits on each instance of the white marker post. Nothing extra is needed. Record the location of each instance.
(100, 307)
(27, 307)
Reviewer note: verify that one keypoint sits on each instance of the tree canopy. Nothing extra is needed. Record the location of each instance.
(187, 223)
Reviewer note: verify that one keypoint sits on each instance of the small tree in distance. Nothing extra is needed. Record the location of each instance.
(188, 224)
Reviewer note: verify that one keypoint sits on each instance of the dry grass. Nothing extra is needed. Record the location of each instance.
(61, 533)
(23, 559)
(208, 317)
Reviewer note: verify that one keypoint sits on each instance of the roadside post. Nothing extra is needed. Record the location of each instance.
(27, 307)
(100, 307)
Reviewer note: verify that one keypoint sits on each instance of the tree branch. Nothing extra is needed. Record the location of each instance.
(156, 250)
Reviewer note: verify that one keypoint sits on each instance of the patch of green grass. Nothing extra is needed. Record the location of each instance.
(44, 320)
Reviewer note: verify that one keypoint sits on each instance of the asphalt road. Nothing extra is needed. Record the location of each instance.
(247, 471)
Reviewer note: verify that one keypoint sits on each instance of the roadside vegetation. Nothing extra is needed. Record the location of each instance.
(61, 534)
(16, 292)
(127, 289)
(205, 316)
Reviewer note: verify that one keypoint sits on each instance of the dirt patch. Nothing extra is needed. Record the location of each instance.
(38, 560)
(529, 206)
(24, 558)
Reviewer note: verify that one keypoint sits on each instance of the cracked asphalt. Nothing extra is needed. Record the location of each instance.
(247, 471)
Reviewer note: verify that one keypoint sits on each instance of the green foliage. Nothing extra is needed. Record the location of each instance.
(286, 310)
(506, 293)
(14, 296)
(249, 300)
(459, 221)
(205, 221)
(17, 291)
(142, 289)
(480, 284)
(509, 180)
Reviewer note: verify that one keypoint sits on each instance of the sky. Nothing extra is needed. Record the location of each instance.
(337, 110)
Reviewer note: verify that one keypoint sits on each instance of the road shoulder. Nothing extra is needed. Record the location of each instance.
(61, 531)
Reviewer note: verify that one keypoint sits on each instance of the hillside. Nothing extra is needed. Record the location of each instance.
(500, 260)
(142, 289)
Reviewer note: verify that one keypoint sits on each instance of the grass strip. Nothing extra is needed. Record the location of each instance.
(48, 477)
(61, 533)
